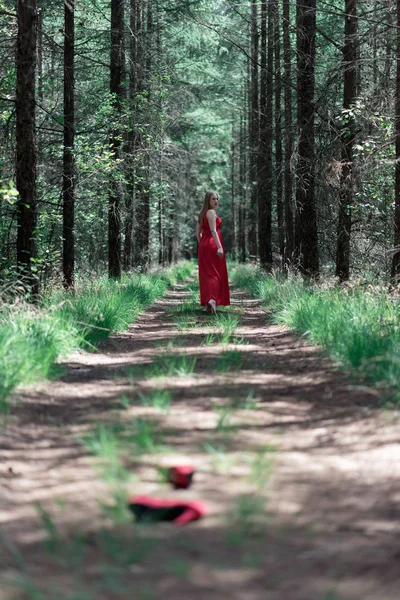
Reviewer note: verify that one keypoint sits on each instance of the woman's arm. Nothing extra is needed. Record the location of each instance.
(198, 231)
(212, 221)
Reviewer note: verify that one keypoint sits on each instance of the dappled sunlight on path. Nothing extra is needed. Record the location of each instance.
(298, 465)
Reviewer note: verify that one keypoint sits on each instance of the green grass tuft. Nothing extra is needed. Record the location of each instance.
(359, 327)
(32, 339)
(173, 364)
(229, 361)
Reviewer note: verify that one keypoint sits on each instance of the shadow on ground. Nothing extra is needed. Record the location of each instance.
(322, 525)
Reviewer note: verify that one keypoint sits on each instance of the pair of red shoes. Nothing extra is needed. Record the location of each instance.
(153, 510)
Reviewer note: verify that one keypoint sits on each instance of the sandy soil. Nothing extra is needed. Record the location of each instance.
(298, 464)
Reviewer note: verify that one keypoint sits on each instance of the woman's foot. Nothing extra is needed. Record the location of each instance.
(213, 306)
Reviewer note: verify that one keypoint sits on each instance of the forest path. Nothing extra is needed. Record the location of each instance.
(299, 468)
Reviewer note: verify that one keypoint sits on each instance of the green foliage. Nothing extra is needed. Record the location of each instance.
(229, 361)
(53, 538)
(33, 339)
(246, 518)
(226, 323)
(116, 443)
(8, 192)
(359, 327)
(173, 364)
(30, 342)
(157, 398)
(104, 305)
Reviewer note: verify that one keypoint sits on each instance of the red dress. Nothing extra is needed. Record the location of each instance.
(213, 274)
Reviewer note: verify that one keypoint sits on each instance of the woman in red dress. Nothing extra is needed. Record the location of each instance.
(213, 274)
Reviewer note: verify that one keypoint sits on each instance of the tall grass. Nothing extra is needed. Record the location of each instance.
(360, 327)
(33, 338)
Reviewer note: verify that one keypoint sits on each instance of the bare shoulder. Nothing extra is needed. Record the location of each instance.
(211, 213)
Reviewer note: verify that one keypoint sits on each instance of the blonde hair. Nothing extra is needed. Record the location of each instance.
(206, 205)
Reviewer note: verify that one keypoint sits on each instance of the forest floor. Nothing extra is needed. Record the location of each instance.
(298, 465)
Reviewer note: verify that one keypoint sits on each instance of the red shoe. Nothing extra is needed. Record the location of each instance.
(181, 477)
(153, 510)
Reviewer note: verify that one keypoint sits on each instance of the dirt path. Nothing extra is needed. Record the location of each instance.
(299, 469)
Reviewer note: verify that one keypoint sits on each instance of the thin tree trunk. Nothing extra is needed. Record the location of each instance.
(130, 192)
(375, 68)
(160, 230)
(242, 184)
(265, 154)
(305, 197)
(161, 236)
(254, 129)
(146, 156)
(116, 89)
(140, 201)
(233, 188)
(387, 82)
(278, 138)
(40, 55)
(26, 142)
(396, 255)
(288, 134)
(69, 143)
(347, 138)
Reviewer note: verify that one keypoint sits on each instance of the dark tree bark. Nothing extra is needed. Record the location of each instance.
(347, 139)
(396, 255)
(145, 229)
(242, 187)
(160, 231)
(130, 192)
(387, 80)
(161, 236)
(69, 143)
(233, 188)
(305, 172)
(140, 230)
(26, 141)
(375, 67)
(278, 137)
(40, 54)
(265, 154)
(288, 194)
(116, 89)
(254, 129)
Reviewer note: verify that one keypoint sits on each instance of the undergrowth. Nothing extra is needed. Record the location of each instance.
(358, 325)
(32, 338)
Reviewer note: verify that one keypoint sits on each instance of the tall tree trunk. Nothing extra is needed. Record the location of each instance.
(288, 134)
(146, 155)
(116, 89)
(387, 82)
(265, 154)
(69, 143)
(305, 198)
(254, 129)
(160, 229)
(242, 187)
(278, 137)
(347, 139)
(140, 230)
(396, 255)
(161, 233)
(130, 191)
(375, 66)
(26, 141)
(233, 190)
(40, 53)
